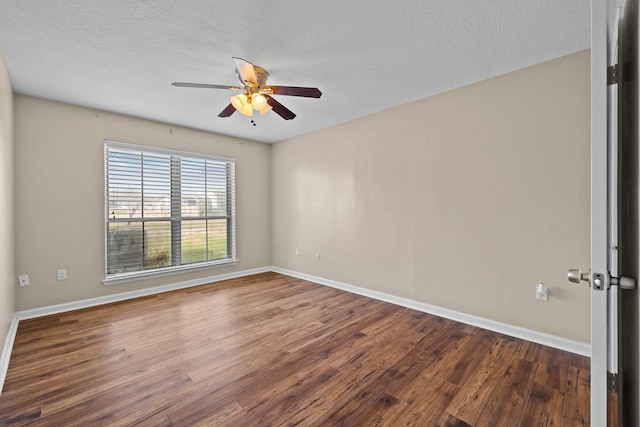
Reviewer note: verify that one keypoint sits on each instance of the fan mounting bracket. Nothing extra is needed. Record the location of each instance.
(261, 75)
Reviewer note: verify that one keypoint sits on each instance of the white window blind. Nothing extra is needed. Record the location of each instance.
(167, 209)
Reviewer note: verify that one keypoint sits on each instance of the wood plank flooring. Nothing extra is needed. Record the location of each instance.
(270, 350)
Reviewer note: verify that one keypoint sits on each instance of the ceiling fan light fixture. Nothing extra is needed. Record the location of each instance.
(256, 94)
(259, 101)
(241, 103)
(265, 109)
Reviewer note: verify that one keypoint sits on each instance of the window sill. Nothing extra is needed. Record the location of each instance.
(117, 279)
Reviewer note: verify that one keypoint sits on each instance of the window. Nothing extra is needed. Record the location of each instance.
(166, 210)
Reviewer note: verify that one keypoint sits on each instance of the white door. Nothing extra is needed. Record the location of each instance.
(599, 212)
(604, 281)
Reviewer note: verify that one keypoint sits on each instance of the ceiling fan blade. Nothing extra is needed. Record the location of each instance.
(205, 86)
(280, 109)
(309, 92)
(227, 111)
(246, 73)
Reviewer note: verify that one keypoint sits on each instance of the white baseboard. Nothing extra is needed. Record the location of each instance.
(6, 350)
(503, 328)
(92, 302)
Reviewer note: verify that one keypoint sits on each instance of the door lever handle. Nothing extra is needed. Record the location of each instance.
(576, 276)
(627, 283)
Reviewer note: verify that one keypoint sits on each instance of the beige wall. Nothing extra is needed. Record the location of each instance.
(60, 197)
(7, 273)
(465, 200)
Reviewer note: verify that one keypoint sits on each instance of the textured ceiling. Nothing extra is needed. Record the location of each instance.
(365, 56)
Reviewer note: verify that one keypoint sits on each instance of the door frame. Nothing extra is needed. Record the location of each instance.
(599, 210)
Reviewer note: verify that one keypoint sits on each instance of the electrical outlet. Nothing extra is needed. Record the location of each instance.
(23, 280)
(542, 292)
(62, 274)
(297, 251)
(317, 255)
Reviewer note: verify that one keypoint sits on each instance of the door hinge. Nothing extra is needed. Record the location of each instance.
(612, 75)
(612, 382)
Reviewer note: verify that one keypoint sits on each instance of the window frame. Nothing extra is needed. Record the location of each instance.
(174, 220)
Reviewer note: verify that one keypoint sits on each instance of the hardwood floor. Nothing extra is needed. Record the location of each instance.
(273, 350)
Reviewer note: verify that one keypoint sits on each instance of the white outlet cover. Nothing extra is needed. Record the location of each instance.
(62, 274)
(542, 292)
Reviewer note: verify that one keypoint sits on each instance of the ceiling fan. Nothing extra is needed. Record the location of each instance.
(256, 95)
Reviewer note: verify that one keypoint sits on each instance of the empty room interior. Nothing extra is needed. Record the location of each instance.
(395, 253)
